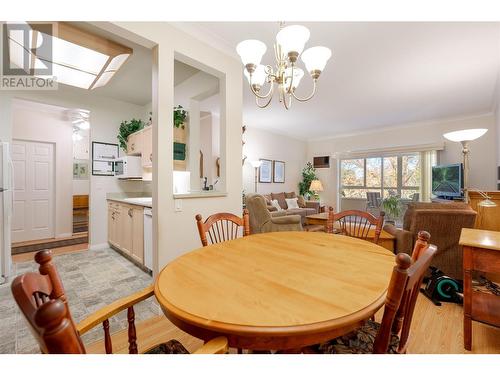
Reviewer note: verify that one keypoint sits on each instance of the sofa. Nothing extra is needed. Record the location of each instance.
(263, 221)
(306, 208)
(444, 222)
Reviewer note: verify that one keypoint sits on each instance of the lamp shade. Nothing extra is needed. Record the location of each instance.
(293, 38)
(256, 163)
(487, 203)
(297, 76)
(251, 51)
(316, 185)
(315, 58)
(258, 77)
(465, 135)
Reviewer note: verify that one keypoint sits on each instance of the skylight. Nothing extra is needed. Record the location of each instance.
(79, 58)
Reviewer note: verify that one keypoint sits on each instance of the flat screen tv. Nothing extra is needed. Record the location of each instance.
(447, 180)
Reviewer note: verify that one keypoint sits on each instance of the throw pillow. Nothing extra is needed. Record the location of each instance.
(276, 205)
(290, 195)
(281, 199)
(268, 198)
(292, 203)
(301, 201)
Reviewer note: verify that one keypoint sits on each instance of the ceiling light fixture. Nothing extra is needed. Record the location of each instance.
(79, 58)
(290, 42)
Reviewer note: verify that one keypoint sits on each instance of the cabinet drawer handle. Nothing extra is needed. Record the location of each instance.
(151, 157)
(130, 212)
(132, 147)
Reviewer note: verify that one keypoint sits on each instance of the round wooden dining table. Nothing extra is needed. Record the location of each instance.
(276, 291)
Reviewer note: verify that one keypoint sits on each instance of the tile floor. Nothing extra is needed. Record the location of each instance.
(92, 279)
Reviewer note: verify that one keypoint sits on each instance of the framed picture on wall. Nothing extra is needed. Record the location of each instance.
(265, 171)
(278, 171)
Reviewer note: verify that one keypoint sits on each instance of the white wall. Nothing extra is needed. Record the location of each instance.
(497, 113)
(261, 144)
(175, 232)
(105, 117)
(42, 125)
(482, 157)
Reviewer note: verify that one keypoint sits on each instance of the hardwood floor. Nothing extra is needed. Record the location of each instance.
(439, 330)
(26, 257)
(435, 330)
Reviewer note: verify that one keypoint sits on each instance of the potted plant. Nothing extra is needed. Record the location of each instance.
(127, 128)
(308, 174)
(180, 116)
(392, 207)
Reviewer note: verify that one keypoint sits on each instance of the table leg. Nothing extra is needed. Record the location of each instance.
(467, 251)
(467, 332)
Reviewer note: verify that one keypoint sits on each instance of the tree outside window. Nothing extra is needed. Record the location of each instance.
(390, 175)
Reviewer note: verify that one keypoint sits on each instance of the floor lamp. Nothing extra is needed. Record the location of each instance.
(256, 164)
(464, 137)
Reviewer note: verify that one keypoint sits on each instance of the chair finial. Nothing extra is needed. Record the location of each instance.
(403, 261)
(43, 257)
(424, 236)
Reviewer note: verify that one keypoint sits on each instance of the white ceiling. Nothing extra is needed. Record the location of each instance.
(380, 75)
(132, 83)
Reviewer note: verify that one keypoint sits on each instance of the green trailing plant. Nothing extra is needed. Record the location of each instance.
(127, 128)
(392, 206)
(308, 174)
(179, 116)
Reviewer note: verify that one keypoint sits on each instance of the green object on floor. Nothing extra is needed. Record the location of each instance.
(179, 151)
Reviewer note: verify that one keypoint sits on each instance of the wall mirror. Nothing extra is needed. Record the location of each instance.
(198, 155)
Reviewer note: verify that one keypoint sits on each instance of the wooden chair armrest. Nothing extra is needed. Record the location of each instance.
(108, 311)
(219, 345)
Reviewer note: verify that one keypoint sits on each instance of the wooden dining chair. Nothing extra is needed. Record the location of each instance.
(391, 335)
(222, 227)
(42, 300)
(359, 224)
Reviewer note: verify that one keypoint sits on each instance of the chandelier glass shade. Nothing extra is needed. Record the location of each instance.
(286, 76)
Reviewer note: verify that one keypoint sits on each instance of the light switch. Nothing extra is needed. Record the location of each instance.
(178, 205)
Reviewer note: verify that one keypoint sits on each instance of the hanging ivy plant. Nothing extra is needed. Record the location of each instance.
(179, 116)
(127, 128)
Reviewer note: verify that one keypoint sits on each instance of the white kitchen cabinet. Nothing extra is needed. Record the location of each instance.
(113, 223)
(147, 147)
(126, 229)
(134, 143)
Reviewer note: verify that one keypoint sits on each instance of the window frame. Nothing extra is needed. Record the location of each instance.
(382, 188)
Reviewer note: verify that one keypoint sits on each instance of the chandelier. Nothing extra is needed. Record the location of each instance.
(288, 47)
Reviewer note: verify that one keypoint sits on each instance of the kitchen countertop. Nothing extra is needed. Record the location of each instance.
(132, 198)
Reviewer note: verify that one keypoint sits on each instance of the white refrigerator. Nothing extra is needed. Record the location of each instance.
(6, 187)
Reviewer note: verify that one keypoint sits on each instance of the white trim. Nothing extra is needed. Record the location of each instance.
(100, 246)
(63, 235)
(403, 126)
(387, 151)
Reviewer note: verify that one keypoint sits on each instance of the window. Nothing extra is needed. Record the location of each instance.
(389, 175)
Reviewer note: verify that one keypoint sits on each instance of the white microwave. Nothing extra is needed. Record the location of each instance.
(128, 167)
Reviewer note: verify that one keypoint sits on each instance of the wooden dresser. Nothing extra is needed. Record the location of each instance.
(481, 255)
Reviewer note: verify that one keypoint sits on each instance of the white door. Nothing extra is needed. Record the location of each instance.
(33, 210)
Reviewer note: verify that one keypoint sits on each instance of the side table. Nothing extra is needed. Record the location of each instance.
(481, 254)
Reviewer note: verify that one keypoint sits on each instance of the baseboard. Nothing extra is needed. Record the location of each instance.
(99, 246)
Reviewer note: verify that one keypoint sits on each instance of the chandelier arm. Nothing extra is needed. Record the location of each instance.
(289, 90)
(264, 105)
(270, 92)
(269, 95)
(307, 98)
(287, 100)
